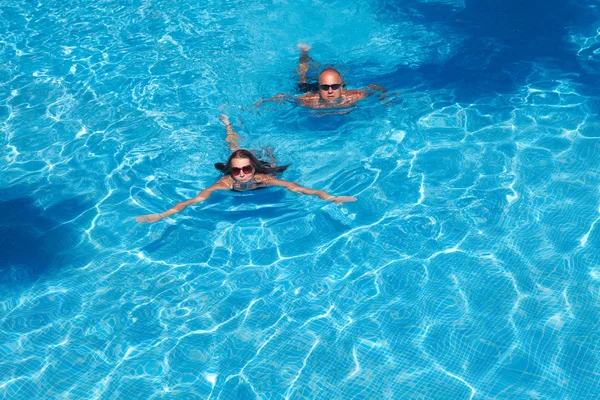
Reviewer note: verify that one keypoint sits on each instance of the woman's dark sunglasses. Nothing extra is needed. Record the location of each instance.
(335, 86)
(247, 169)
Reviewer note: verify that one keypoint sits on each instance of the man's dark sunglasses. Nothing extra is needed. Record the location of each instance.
(247, 169)
(335, 86)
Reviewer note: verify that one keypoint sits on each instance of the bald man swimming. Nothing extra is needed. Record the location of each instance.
(328, 92)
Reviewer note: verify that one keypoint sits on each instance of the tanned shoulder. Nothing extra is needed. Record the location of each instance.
(309, 99)
(226, 182)
(264, 178)
(354, 94)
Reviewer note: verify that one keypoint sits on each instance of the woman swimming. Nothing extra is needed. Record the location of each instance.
(243, 171)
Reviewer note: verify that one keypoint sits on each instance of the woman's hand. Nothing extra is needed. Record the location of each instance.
(344, 199)
(149, 218)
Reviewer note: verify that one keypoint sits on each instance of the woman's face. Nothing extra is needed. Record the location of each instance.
(241, 169)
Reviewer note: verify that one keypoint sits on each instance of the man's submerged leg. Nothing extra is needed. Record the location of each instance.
(303, 62)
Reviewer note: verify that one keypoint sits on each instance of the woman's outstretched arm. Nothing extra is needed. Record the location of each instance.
(203, 195)
(294, 187)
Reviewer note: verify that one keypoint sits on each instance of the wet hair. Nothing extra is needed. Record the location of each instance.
(260, 167)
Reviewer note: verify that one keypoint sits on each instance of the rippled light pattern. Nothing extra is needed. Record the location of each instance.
(469, 267)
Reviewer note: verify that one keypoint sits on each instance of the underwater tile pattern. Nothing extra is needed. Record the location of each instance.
(469, 267)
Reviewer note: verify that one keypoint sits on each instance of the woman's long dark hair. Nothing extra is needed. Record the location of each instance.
(260, 167)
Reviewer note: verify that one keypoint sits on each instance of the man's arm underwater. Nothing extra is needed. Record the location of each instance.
(371, 90)
(278, 97)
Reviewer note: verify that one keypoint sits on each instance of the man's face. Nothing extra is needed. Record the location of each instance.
(326, 92)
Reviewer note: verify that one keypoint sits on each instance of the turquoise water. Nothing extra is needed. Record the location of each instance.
(469, 267)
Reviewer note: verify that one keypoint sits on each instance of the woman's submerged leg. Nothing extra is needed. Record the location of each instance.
(232, 137)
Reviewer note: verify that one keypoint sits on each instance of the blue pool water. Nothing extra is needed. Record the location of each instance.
(469, 267)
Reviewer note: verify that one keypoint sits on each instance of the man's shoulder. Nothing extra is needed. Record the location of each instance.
(309, 96)
(309, 99)
(352, 93)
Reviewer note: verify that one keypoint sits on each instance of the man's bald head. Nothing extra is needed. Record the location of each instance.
(330, 73)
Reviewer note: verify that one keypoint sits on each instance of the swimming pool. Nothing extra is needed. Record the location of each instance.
(468, 267)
